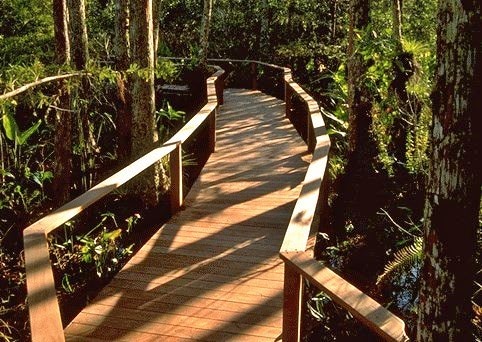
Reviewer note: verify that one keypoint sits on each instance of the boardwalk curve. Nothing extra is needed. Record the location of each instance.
(212, 272)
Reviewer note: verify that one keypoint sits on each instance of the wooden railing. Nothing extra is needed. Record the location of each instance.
(300, 234)
(299, 262)
(45, 319)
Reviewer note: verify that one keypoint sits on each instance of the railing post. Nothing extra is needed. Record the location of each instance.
(220, 90)
(310, 134)
(254, 75)
(288, 94)
(292, 297)
(212, 130)
(175, 163)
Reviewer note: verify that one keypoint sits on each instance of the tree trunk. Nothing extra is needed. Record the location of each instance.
(78, 29)
(61, 31)
(359, 97)
(156, 13)
(121, 53)
(453, 188)
(360, 193)
(264, 19)
(80, 56)
(333, 10)
(63, 120)
(205, 26)
(397, 22)
(144, 132)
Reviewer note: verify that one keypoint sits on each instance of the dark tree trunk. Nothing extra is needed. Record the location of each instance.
(205, 27)
(63, 120)
(359, 97)
(121, 51)
(453, 188)
(360, 195)
(144, 131)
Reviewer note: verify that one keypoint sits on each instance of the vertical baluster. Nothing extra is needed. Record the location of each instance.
(292, 297)
(175, 163)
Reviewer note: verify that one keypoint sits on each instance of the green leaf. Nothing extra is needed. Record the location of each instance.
(113, 235)
(22, 137)
(10, 126)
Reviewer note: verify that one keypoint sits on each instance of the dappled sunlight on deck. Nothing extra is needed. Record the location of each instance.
(213, 272)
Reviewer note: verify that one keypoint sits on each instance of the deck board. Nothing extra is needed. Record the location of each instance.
(212, 273)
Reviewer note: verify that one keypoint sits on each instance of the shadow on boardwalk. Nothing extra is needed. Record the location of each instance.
(212, 272)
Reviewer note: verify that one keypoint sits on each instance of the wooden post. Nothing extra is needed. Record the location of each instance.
(288, 94)
(310, 134)
(292, 297)
(220, 90)
(175, 163)
(254, 75)
(212, 130)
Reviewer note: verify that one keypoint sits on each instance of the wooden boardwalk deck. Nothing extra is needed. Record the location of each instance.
(212, 273)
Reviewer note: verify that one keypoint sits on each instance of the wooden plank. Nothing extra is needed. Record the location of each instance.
(213, 271)
(360, 305)
(43, 306)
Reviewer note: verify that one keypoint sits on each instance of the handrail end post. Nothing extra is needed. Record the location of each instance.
(292, 304)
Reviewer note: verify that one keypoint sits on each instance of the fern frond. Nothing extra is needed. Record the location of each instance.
(403, 258)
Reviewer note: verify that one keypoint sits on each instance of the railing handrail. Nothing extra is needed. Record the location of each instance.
(299, 264)
(44, 311)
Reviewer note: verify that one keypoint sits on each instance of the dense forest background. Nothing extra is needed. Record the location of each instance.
(370, 65)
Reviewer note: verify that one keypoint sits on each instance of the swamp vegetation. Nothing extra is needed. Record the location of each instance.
(372, 67)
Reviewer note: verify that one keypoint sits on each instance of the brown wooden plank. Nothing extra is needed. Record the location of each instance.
(213, 272)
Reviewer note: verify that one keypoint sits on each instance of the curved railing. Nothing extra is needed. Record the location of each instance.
(44, 312)
(295, 250)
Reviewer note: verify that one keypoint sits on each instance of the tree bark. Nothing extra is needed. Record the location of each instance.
(78, 30)
(397, 22)
(205, 26)
(359, 97)
(63, 120)
(359, 193)
(80, 56)
(121, 55)
(61, 31)
(144, 131)
(156, 13)
(453, 188)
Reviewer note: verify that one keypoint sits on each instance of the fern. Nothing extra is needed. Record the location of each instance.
(403, 258)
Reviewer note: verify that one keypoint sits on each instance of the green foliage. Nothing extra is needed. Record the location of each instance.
(166, 119)
(26, 32)
(102, 251)
(403, 259)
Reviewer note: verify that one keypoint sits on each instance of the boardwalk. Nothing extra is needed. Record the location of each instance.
(212, 272)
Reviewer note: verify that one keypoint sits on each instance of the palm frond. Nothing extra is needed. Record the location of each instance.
(405, 257)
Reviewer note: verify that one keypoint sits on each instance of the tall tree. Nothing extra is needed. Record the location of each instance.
(80, 56)
(63, 119)
(205, 26)
(356, 200)
(144, 132)
(156, 14)
(78, 29)
(453, 189)
(359, 97)
(121, 56)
